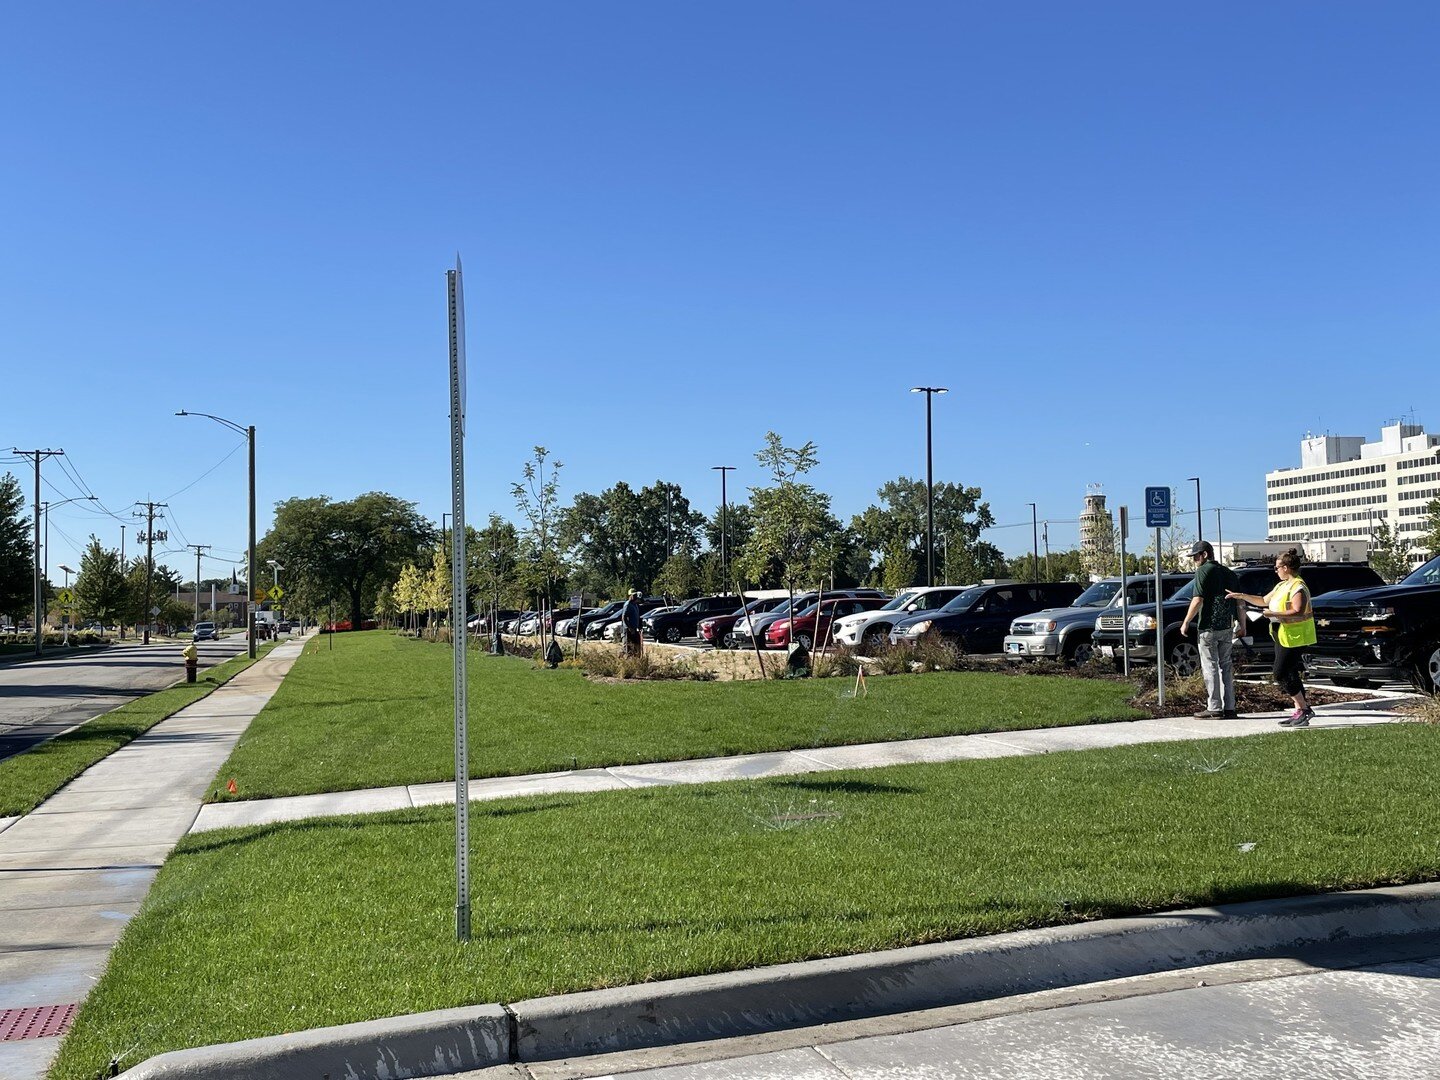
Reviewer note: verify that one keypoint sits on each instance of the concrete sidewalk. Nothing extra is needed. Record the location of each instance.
(74, 871)
(1376, 710)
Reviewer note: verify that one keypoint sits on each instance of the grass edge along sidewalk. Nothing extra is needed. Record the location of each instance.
(377, 711)
(33, 775)
(256, 931)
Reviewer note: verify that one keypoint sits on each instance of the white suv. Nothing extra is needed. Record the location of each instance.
(873, 627)
(205, 631)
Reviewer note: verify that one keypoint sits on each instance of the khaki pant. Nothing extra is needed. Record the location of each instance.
(634, 643)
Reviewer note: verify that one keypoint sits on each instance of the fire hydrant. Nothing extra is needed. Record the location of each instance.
(192, 661)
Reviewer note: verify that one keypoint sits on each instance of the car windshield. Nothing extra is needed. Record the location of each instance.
(1427, 574)
(967, 599)
(1098, 595)
(899, 602)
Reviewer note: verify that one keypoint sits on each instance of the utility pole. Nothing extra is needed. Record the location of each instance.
(198, 548)
(149, 516)
(1046, 535)
(39, 456)
(1034, 546)
(122, 575)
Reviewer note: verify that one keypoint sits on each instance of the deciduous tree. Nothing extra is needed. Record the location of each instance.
(795, 540)
(1389, 553)
(346, 549)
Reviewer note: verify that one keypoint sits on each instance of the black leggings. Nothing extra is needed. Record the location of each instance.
(1289, 663)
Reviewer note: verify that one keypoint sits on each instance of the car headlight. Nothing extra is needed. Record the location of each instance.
(1373, 612)
(1142, 622)
(1045, 627)
(783, 624)
(919, 627)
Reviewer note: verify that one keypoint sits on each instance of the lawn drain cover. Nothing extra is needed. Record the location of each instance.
(35, 1022)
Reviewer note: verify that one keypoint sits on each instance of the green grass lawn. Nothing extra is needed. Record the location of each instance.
(31, 777)
(262, 930)
(378, 710)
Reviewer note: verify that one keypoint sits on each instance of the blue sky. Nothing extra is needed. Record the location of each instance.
(1140, 242)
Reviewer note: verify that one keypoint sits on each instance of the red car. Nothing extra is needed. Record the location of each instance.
(717, 628)
(813, 623)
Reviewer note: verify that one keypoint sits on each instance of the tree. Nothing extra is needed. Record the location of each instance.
(493, 557)
(407, 592)
(795, 539)
(621, 538)
(1430, 541)
(100, 589)
(680, 576)
(1389, 553)
(538, 500)
(17, 565)
(898, 524)
(346, 549)
(435, 587)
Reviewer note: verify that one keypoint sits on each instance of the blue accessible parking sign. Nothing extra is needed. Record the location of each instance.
(1157, 508)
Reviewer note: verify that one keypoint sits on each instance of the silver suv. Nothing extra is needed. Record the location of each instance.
(205, 631)
(1064, 633)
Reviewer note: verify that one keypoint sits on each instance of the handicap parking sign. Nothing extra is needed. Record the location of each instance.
(1157, 507)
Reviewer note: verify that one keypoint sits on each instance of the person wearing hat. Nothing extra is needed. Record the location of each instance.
(1216, 624)
(630, 619)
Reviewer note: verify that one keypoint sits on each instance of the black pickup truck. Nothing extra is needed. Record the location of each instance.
(1365, 636)
(1181, 653)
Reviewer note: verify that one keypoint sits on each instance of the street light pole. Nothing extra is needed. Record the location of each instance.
(249, 433)
(1034, 545)
(929, 392)
(1199, 524)
(724, 525)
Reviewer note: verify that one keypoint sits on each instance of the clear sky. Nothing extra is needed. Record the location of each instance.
(1138, 241)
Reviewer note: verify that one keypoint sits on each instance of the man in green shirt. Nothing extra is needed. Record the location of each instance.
(1216, 623)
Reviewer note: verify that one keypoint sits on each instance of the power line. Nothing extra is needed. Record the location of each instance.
(207, 472)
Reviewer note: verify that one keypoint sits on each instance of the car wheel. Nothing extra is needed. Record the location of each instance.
(805, 641)
(1080, 652)
(1427, 671)
(1185, 658)
(729, 641)
(673, 635)
(877, 637)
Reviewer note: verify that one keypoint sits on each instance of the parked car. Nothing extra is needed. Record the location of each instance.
(872, 628)
(1364, 636)
(283, 626)
(674, 626)
(1065, 633)
(978, 619)
(814, 623)
(1182, 653)
(599, 627)
(751, 628)
(577, 624)
(719, 630)
(614, 628)
(206, 631)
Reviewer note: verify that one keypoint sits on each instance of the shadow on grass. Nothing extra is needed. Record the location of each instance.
(852, 787)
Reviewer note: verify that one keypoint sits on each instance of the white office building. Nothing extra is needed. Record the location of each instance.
(1345, 486)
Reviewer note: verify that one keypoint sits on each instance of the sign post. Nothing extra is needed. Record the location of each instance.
(1124, 590)
(456, 292)
(1157, 517)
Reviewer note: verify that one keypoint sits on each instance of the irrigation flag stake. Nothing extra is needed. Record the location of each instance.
(457, 597)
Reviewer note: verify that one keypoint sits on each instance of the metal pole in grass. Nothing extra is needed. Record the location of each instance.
(457, 597)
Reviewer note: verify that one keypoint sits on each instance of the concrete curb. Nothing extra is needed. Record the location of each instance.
(425, 1044)
(815, 992)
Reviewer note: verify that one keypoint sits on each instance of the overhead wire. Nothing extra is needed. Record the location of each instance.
(206, 473)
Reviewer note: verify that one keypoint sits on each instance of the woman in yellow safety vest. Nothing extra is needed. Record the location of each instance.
(1292, 626)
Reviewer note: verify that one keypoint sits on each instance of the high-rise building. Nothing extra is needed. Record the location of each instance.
(1345, 486)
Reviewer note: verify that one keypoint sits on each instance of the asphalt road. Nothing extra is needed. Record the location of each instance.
(39, 699)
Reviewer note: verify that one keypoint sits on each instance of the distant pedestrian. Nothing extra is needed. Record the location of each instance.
(630, 619)
(1216, 624)
(1292, 626)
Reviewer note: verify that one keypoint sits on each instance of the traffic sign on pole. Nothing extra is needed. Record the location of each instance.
(1157, 508)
